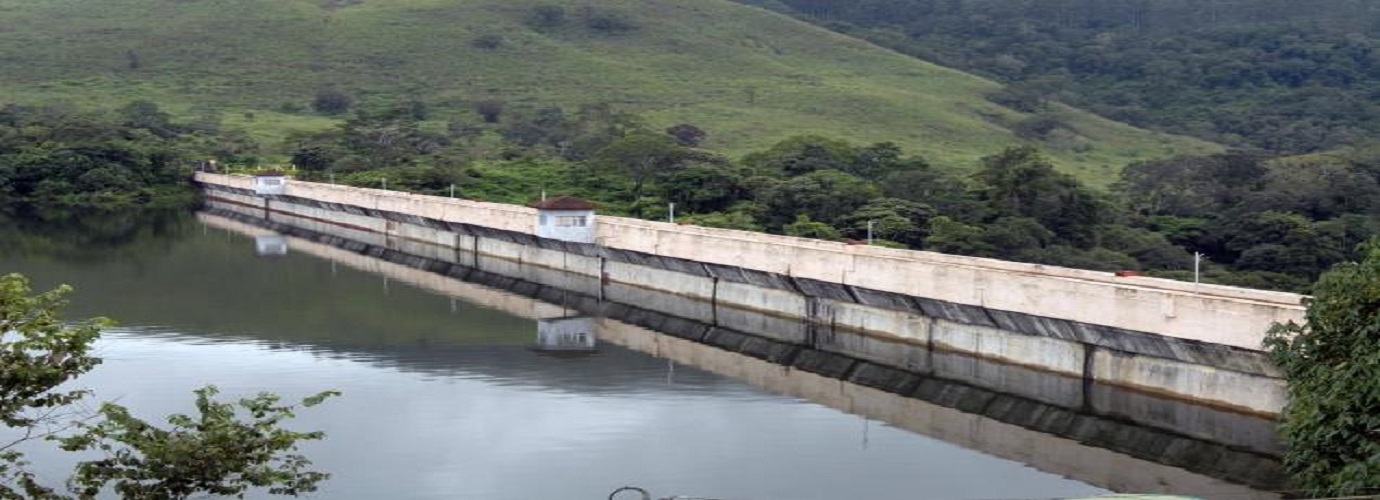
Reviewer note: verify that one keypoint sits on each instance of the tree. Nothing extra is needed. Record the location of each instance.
(1192, 186)
(389, 139)
(824, 195)
(146, 115)
(487, 41)
(225, 450)
(943, 190)
(546, 17)
(803, 154)
(741, 217)
(950, 236)
(1021, 182)
(893, 219)
(489, 109)
(702, 187)
(1151, 249)
(875, 161)
(331, 102)
(686, 134)
(1015, 237)
(608, 22)
(1039, 126)
(314, 151)
(39, 355)
(804, 227)
(1331, 363)
(639, 157)
(549, 125)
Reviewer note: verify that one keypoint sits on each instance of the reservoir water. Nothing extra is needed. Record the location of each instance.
(446, 396)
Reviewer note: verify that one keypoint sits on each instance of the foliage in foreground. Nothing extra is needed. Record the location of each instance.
(1332, 362)
(226, 449)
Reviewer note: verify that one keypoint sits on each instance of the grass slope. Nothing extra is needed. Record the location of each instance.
(748, 76)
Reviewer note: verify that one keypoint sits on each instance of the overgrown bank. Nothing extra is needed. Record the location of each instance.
(134, 155)
(1331, 364)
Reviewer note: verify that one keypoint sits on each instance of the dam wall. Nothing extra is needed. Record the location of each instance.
(1198, 342)
(1117, 439)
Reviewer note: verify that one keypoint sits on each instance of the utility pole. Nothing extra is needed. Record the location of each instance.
(1197, 265)
(869, 231)
(385, 183)
(452, 190)
(672, 213)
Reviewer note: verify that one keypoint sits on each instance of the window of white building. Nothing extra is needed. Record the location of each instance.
(571, 221)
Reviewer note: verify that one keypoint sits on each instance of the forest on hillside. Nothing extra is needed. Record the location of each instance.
(1261, 221)
(1276, 77)
(1284, 76)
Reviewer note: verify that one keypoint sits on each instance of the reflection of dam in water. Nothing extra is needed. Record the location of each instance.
(1109, 437)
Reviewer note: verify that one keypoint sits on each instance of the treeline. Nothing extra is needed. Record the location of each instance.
(134, 155)
(1259, 221)
(1282, 76)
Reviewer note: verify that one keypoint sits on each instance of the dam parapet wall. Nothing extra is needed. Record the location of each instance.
(1200, 342)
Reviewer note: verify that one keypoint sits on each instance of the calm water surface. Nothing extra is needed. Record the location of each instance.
(446, 399)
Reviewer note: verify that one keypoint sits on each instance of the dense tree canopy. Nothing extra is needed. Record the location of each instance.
(1286, 76)
(135, 155)
(1285, 221)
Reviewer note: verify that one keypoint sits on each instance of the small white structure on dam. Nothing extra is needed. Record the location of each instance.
(565, 218)
(271, 182)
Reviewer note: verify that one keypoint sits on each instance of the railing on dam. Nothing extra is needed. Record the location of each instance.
(1211, 314)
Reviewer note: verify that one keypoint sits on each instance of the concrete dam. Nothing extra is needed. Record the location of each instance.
(1119, 439)
(1158, 338)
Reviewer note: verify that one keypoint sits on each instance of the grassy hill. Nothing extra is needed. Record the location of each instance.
(748, 76)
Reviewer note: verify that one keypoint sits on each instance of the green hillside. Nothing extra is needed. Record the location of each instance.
(748, 76)
(1284, 76)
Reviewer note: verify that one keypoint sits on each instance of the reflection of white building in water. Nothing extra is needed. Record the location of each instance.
(270, 245)
(566, 336)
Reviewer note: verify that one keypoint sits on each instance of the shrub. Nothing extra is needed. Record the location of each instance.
(609, 22)
(1331, 364)
(489, 41)
(546, 17)
(331, 102)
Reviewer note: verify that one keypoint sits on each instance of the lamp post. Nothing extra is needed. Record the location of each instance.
(1197, 265)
